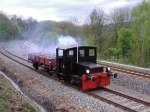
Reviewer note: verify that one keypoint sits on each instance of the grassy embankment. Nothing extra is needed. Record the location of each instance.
(11, 100)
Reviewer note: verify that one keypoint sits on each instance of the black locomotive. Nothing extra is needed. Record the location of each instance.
(76, 64)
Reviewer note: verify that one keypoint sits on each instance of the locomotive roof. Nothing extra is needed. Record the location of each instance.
(80, 47)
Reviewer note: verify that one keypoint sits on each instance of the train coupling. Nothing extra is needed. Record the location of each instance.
(111, 74)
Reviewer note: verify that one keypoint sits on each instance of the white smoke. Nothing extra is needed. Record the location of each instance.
(66, 41)
(32, 47)
(62, 42)
(44, 47)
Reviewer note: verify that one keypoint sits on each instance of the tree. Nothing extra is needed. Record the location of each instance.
(124, 42)
(8, 30)
(95, 28)
(141, 33)
(119, 18)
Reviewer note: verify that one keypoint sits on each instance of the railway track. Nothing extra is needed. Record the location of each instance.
(111, 97)
(128, 71)
(128, 103)
(119, 69)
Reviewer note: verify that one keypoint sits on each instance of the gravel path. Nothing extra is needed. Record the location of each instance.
(54, 96)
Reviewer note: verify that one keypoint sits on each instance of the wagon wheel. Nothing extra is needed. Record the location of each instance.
(35, 65)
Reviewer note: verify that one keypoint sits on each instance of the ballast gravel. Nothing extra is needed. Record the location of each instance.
(53, 95)
(131, 82)
(138, 84)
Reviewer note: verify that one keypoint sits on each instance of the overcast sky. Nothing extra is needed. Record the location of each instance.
(59, 10)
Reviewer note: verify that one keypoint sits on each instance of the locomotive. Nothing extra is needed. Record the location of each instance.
(76, 64)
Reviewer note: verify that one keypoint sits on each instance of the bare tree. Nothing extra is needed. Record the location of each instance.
(119, 18)
(95, 27)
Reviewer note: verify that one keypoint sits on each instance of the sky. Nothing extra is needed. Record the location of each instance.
(61, 10)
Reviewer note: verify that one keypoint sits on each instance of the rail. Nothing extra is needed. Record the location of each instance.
(12, 57)
(128, 71)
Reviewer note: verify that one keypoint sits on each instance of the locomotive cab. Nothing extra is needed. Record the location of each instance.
(79, 64)
(67, 60)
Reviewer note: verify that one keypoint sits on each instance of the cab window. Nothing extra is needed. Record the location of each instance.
(70, 53)
(81, 53)
(60, 52)
(91, 52)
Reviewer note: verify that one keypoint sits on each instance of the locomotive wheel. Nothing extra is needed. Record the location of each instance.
(60, 77)
(72, 82)
(47, 69)
(67, 80)
(51, 68)
(50, 72)
(35, 65)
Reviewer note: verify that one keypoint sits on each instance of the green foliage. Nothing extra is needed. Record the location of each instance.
(68, 28)
(4, 103)
(8, 30)
(126, 38)
(112, 53)
(90, 39)
(95, 29)
(141, 34)
(124, 42)
(13, 28)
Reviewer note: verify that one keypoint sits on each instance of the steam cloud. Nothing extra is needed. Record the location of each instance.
(25, 47)
(50, 50)
(66, 41)
(42, 39)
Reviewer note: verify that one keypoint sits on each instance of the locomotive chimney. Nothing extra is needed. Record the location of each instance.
(77, 54)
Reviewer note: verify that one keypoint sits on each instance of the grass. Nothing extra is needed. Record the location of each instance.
(7, 91)
(4, 107)
(30, 107)
(6, 84)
